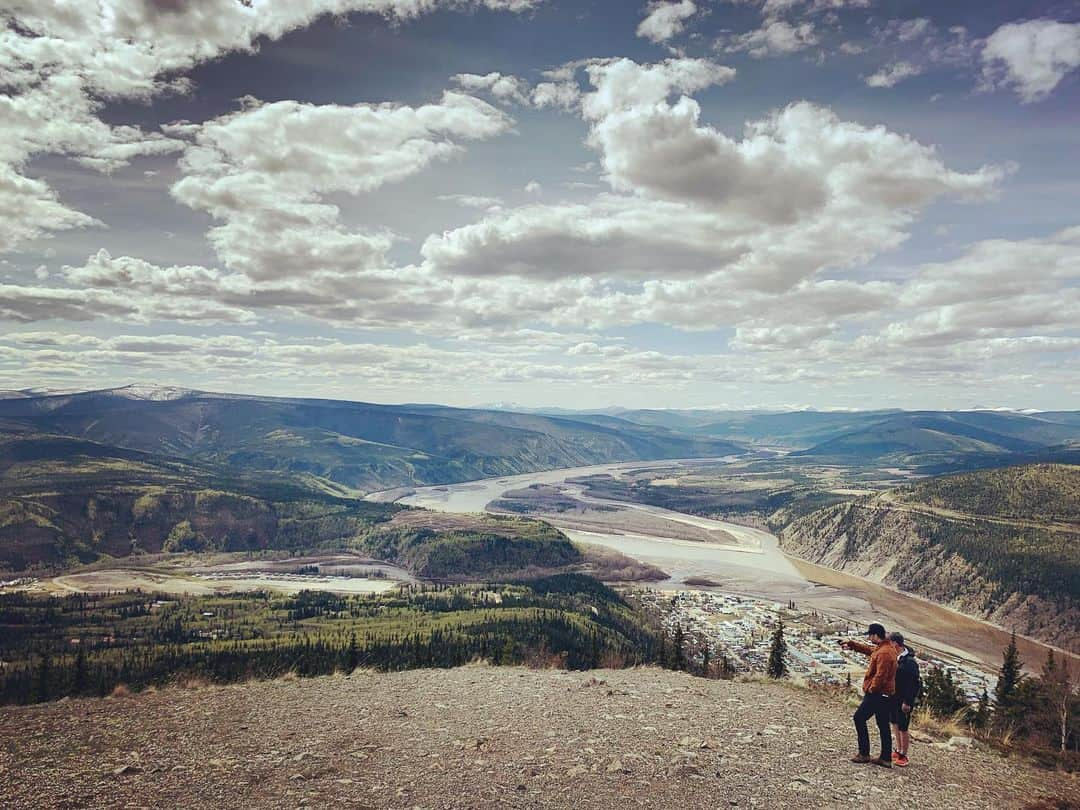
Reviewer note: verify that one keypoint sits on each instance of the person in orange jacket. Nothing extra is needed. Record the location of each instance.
(879, 690)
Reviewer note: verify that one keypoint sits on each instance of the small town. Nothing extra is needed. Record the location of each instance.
(738, 629)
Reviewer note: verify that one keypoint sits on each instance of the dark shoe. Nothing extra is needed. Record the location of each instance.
(884, 763)
(862, 758)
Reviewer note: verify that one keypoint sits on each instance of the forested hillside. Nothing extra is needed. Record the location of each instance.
(65, 501)
(352, 444)
(138, 640)
(1039, 492)
(1002, 544)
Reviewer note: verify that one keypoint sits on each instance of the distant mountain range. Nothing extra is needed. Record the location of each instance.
(359, 446)
(934, 441)
(362, 447)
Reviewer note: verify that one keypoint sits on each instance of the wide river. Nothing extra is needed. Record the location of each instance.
(752, 565)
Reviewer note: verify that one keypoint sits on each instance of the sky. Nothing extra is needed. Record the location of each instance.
(701, 203)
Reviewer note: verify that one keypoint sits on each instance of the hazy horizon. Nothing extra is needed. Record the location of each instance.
(146, 390)
(724, 204)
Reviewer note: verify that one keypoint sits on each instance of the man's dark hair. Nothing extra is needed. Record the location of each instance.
(876, 630)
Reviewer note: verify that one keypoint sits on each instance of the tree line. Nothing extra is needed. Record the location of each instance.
(84, 646)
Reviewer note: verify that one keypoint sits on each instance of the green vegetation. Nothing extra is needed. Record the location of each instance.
(345, 444)
(937, 440)
(1036, 715)
(66, 502)
(490, 547)
(1036, 492)
(942, 696)
(731, 493)
(777, 666)
(1009, 677)
(967, 540)
(87, 645)
(1041, 562)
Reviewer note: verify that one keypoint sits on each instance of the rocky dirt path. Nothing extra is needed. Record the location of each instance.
(480, 737)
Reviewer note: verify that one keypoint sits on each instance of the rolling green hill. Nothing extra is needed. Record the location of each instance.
(979, 438)
(926, 439)
(1001, 543)
(1039, 492)
(67, 501)
(356, 445)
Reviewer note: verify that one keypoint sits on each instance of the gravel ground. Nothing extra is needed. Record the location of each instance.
(483, 737)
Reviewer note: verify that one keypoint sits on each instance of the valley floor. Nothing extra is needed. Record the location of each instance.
(484, 737)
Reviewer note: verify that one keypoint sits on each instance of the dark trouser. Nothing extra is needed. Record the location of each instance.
(879, 707)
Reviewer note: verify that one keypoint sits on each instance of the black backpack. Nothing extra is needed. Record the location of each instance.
(911, 668)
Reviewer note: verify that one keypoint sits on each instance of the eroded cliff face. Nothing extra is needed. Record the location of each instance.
(913, 552)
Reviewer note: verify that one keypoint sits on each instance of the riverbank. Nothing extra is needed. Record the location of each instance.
(755, 567)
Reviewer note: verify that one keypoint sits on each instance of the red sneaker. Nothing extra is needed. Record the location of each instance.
(895, 756)
(901, 761)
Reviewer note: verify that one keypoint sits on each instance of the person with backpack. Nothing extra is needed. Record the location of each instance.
(879, 686)
(908, 689)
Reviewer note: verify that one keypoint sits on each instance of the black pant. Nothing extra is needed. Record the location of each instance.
(879, 707)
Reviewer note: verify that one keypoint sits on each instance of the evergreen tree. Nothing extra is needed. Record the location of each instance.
(777, 667)
(942, 696)
(679, 654)
(727, 671)
(79, 685)
(352, 654)
(43, 684)
(1009, 676)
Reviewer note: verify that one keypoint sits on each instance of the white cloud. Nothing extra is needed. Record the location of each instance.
(704, 229)
(564, 95)
(666, 20)
(775, 8)
(774, 37)
(908, 30)
(263, 172)
(472, 200)
(61, 62)
(30, 209)
(892, 75)
(534, 187)
(502, 87)
(1031, 57)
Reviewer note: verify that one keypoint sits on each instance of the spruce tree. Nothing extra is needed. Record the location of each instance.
(942, 696)
(679, 653)
(43, 685)
(352, 654)
(1009, 678)
(777, 667)
(79, 685)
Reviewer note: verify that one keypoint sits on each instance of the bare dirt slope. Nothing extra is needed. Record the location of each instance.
(483, 737)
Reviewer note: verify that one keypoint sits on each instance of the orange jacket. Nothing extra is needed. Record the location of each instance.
(880, 678)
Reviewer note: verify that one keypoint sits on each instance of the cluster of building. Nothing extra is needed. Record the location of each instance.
(739, 630)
